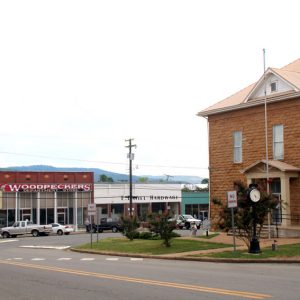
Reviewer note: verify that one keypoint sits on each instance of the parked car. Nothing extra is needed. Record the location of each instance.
(185, 221)
(108, 224)
(60, 229)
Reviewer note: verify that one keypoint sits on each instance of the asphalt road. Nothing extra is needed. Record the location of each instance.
(29, 271)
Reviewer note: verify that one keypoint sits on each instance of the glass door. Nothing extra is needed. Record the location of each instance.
(277, 212)
(61, 218)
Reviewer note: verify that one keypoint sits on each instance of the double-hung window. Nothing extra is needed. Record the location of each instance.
(237, 147)
(278, 142)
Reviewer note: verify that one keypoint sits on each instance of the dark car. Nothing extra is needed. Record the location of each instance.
(108, 224)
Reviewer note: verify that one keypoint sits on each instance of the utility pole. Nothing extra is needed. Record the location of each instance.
(168, 176)
(130, 156)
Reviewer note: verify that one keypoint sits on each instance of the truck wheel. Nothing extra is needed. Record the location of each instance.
(5, 235)
(114, 229)
(59, 232)
(35, 233)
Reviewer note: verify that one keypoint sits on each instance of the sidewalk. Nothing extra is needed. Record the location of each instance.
(240, 245)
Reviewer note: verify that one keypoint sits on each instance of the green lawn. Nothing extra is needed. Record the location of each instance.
(153, 247)
(282, 251)
(210, 236)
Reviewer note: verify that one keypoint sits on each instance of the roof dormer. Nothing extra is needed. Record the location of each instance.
(271, 83)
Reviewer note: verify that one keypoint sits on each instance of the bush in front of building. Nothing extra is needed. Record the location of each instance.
(130, 224)
(147, 235)
(162, 225)
(133, 235)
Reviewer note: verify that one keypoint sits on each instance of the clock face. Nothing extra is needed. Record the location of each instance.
(255, 195)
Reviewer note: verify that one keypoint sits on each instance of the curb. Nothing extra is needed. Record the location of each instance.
(188, 258)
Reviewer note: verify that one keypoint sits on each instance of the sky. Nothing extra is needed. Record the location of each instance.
(80, 78)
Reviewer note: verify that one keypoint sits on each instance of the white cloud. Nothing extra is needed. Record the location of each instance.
(78, 78)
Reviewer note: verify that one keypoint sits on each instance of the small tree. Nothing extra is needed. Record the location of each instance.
(104, 178)
(143, 179)
(130, 225)
(205, 181)
(162, 225)
(243, 215)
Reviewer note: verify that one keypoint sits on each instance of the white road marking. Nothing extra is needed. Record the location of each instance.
(70, 258)
(46, 247)
(8, 241)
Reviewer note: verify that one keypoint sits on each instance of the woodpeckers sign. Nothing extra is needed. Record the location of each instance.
(46, 187)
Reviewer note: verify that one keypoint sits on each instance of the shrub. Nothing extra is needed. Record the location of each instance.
(130, 225)
(132, 235)
(146, 235)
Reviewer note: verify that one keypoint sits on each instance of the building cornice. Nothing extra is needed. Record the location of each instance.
(251, 103)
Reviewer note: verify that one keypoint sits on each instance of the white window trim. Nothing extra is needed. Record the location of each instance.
(277, 142)
(238, 147)
(276, 85)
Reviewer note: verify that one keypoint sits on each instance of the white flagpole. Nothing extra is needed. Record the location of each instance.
(266, 140)
(266, 122)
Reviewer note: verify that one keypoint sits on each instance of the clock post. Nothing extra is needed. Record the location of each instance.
(254, 197)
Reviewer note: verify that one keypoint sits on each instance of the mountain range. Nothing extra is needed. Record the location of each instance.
(116, 177)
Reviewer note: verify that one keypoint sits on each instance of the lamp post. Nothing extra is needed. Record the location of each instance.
(254, 197)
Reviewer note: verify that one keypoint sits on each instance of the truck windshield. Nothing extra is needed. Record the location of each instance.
(188, 217)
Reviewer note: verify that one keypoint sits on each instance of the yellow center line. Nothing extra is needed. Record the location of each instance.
(141, 280)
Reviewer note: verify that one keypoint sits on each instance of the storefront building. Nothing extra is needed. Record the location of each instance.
(45, 197)
(113, 199)
(195, 204)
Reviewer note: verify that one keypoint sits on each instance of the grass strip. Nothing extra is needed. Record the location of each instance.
(153, 247)
(292, 250)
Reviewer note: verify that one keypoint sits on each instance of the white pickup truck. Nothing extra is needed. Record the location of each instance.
(25, 227)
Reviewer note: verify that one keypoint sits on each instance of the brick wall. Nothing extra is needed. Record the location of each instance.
(251, 121)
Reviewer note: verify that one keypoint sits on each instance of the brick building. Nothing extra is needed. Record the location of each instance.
(264, 115)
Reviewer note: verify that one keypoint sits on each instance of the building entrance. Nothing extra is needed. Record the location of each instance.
(26, 217)
(61, 218)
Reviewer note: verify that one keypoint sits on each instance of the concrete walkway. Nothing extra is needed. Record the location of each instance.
(240, 245)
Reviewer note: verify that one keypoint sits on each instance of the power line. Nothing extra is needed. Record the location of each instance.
(103, 162)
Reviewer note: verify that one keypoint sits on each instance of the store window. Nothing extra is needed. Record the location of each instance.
(117, 208)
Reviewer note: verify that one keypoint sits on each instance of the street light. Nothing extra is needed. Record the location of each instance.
(253, 195)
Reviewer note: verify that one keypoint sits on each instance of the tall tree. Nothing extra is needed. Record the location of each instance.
(243, 214)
